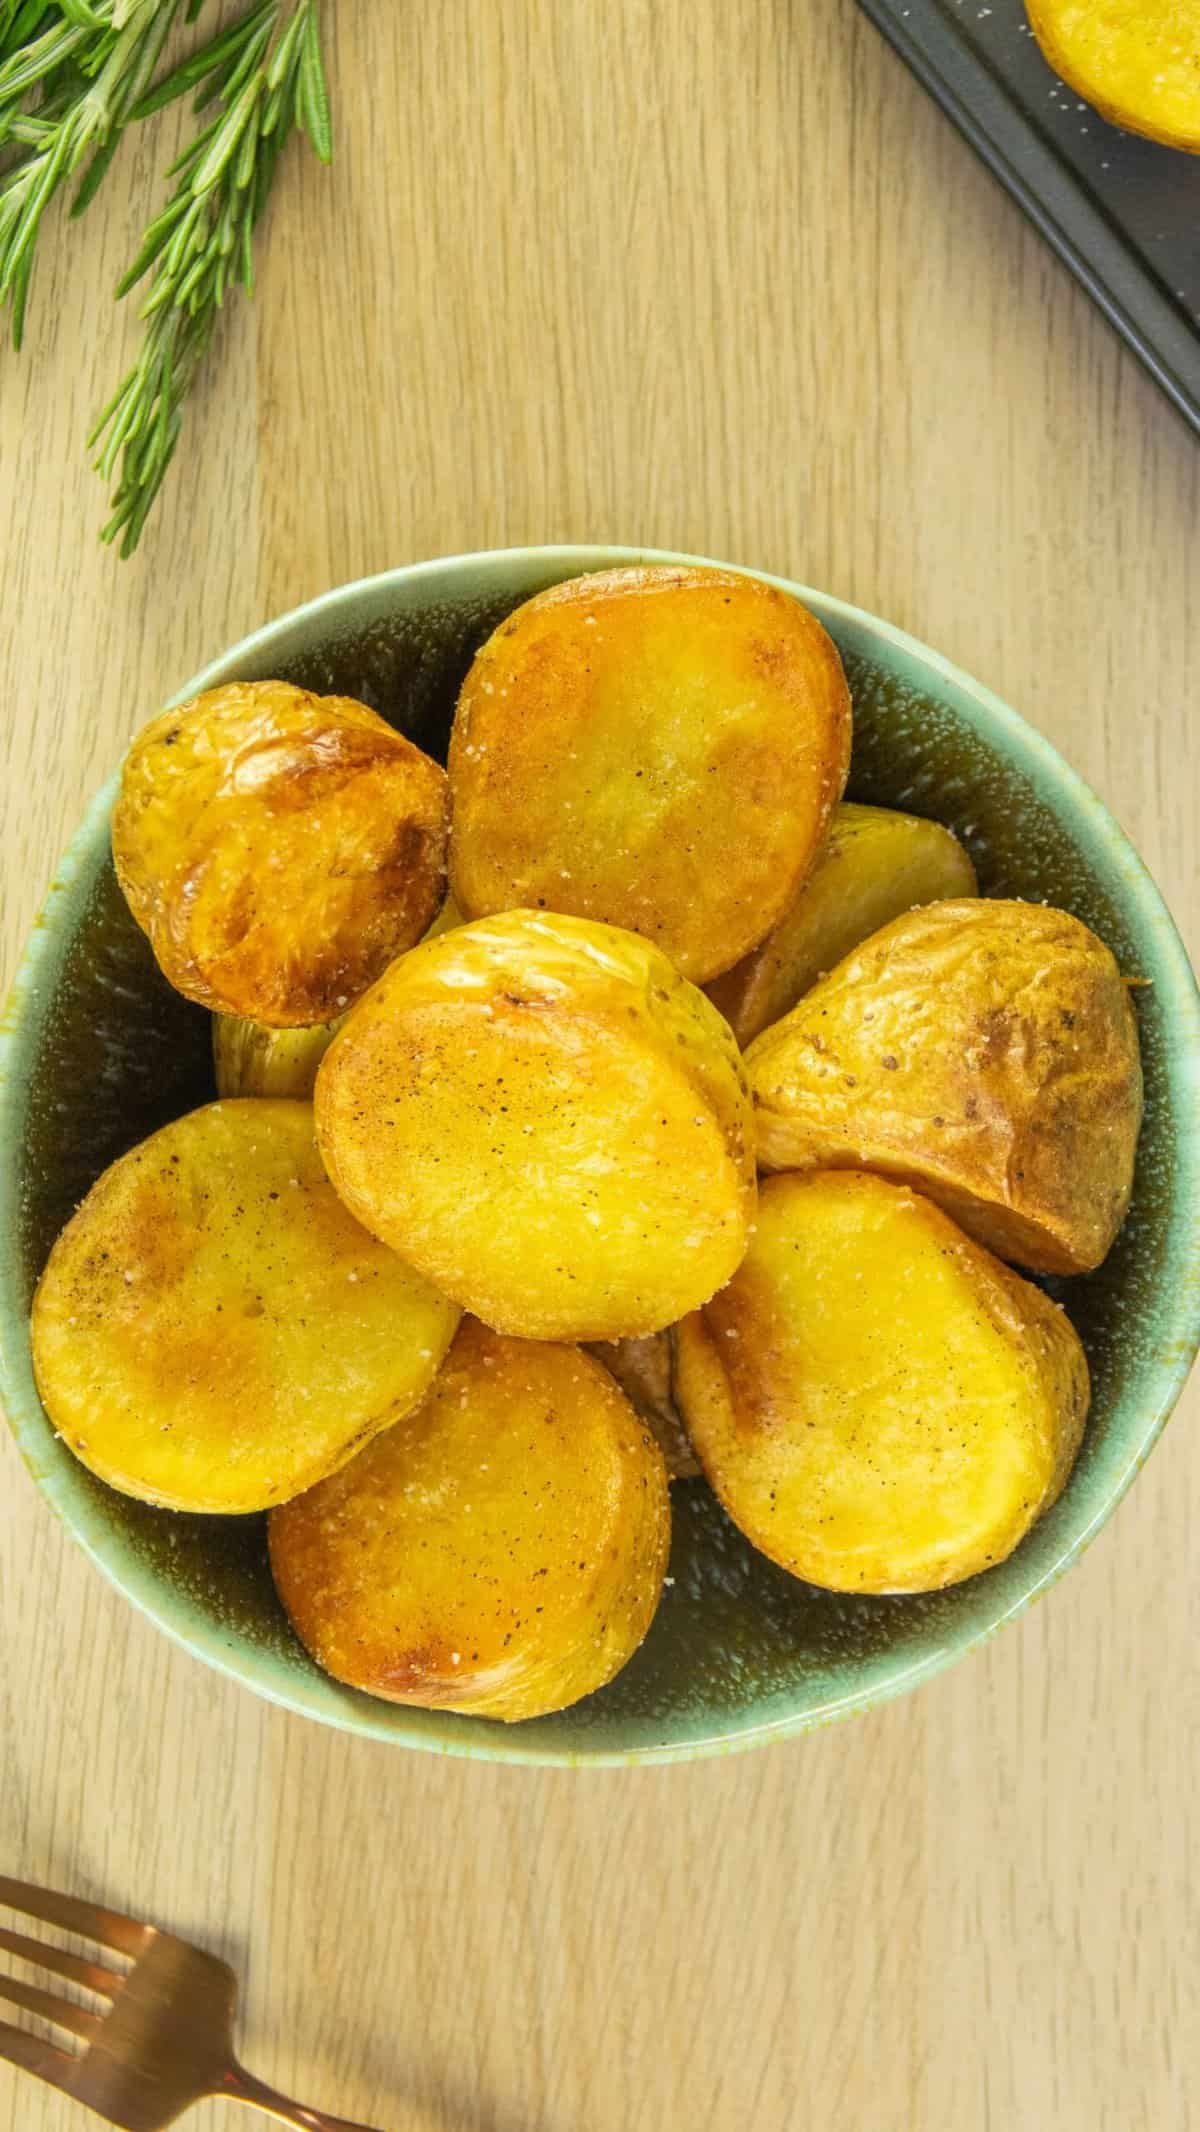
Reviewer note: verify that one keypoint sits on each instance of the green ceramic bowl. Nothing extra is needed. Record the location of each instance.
(97, 1051)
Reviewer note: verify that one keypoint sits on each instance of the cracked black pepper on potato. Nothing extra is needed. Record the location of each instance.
(525, 1108)
(880, 1405)
(501, 1551)
(214, 1331)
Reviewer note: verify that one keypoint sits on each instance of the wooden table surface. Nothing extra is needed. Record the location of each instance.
(719, 279)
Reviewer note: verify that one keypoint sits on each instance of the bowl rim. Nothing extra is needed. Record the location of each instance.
(1164, 1374)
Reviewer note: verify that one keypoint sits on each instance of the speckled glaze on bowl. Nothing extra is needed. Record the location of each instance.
(97, 1051)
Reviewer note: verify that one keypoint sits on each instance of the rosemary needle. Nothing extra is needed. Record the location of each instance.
(265, 77)
(69, 78)
(74, 74)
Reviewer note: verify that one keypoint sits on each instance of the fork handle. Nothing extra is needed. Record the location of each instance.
(240, 2086)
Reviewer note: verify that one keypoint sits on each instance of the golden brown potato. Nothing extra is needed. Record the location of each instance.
(1137, 61)
(278, 848)
(642, 1368)
(880, 1405)
(251, 1060)
(549, 1122)
(214, 1331)
(873, 865)
(657, 748)
(985, 1053)
(501, 1550)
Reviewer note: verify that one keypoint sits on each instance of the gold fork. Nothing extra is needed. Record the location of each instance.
(162, 2036)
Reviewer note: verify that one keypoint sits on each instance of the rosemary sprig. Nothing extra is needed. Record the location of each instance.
(70, 76)
(265, 77)
(74, 74)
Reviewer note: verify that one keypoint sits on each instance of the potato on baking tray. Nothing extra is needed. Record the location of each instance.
(658, 748)
(874, 864)
(213, 1331)
(984, 1052)
(501, 1550)
(1137, 61)
(549, 1122)
(278, 848)
(880, 1404)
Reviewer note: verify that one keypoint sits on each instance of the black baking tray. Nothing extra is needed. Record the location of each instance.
(1122, 212)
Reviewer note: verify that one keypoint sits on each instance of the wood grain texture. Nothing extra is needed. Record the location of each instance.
(720, 279)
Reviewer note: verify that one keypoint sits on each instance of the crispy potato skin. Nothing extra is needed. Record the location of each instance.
(547, 1121)
(500, 1551)
(873, 865)
(659, 749)
(1137, 61)
(642, 1368)
(278, 848)
(984, 1052)
(213, 1331)
(251, 1060)
(880, 1404)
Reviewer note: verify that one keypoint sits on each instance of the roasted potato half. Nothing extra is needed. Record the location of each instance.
(549, 1122)
(278, 848)
(642, 1368)
(252, 1060)
(1137, 61)
(500, 1551)
(984, 1052)
(214, 1331)
(873, 865)
(659, 749)
(880, 1405)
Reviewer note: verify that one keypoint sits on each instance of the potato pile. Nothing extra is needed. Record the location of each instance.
(471, 1255)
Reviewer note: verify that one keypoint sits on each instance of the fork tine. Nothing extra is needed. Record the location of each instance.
(88, 1920)
(32, 2055)
(92, 1975)
(49, 2007)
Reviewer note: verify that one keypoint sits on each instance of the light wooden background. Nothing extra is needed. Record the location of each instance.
(715, 278)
